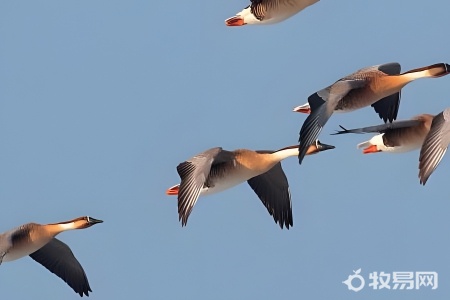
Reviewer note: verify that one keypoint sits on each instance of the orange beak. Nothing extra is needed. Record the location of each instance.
(234, 21)
(173, 191)
(371, 149)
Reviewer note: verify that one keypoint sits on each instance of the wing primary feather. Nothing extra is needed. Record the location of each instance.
(57, 257)
(434, 146)
(193, 174)
(272, 189)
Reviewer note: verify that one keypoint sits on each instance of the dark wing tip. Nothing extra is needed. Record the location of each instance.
(85, 292)
(423, 180)
(183, 213)
(424, 172)
(183, 217)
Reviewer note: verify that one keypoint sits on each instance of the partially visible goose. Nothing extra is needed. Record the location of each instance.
(39, 242)
(431, 134)
(395, 137)
(216, 169)
(268, 11)
(378, 86)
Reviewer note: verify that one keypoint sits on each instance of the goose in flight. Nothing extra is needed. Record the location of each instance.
(429, 133)
(39, 242)
(378, 86)
(215, 170)
(395, 137)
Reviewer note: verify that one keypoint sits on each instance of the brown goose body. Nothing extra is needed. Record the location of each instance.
(410, 138)
(39, 242)
(378, 86)
(429, 133)
(216, 169)
(395, 137)
(27, 239)
(242, 165)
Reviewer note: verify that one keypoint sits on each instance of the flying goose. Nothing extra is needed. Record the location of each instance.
(395, 137)
(268, 11)
(39, 242)
(216, 169)
(428, 132)
(378, 86)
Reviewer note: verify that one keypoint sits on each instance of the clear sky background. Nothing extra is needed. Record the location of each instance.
(100, 100)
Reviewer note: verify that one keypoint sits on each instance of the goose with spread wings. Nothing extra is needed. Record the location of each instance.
(396, 137)
(377, 86)
(215, 170)
(39, 242)
(429, 133)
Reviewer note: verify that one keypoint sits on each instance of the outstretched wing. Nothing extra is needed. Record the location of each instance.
(435, 145)
(272, 189)
(193, 174)
(387, 108)
(322, 106)
(59, 259)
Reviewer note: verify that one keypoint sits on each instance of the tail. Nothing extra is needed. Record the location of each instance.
(305, 108)
(364, 144)
(173, 191)
(344, 130)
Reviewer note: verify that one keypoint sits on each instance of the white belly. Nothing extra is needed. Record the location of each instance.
(404, 148)
(226, 183)
(22, 251)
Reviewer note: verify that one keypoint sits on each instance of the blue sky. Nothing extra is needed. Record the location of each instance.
(100, 100)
